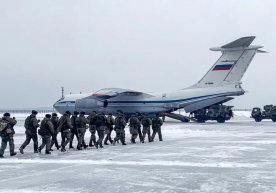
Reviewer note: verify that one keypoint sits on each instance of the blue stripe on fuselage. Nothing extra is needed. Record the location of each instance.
(160, 101)
(170, 101)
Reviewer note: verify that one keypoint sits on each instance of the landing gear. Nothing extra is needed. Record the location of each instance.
(258, 118)
(221, 119)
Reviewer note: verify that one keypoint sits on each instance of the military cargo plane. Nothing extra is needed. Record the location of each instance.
(219, 85)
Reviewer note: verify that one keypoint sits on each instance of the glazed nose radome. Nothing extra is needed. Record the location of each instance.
(88, 103)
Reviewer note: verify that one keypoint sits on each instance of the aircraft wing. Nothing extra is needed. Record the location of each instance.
(119, 92)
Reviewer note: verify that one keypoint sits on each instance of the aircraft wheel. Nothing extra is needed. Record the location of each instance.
(273, 118)
(221, 120)
(258, 119)
(200, 120)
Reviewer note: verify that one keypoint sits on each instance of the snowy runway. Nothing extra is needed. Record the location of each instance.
(238, 156)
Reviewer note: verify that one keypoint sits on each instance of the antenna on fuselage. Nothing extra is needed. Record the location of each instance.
(62, 92)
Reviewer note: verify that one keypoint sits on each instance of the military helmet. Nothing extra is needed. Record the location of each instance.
(82, 113)
(76, 112)
(6, 115)
(34, 112)
(48, 116)
(54, 115)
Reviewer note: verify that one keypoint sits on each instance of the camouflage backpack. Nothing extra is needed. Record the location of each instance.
(119, 123)
(43, 128)
(27, 122)
(132, 122)
(145, 122)
(3, 125)
(97, 120)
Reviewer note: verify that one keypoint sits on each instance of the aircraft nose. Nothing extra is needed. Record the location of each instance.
(59, 107)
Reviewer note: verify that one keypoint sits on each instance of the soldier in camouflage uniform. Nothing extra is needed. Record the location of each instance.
(146, 122)
(92, 129)
(81, 122)
(134, 125)
(74, 130)
(100, 121)
(54, 140)
(140, 117)
(7, 134)
(156, 127)
(120, 125)
(46, 131)
(109, 129)
(64, 126)
(31, 125)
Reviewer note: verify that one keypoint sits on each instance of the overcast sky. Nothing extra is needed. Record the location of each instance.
(146, 45)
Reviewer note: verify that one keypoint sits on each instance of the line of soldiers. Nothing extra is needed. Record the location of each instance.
(76, 126)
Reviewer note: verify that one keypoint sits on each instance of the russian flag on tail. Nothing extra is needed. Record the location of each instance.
(222, 67)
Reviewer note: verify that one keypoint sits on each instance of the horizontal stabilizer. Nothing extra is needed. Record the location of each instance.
(242, 42)
(261, 51)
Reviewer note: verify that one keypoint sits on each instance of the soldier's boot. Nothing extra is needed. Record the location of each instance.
(71, 146)
(97, 145)
(85, 146)
(47, 152)
(63, 149)
(35, 148)
(13, 154)
(51, 150)
(58, 147)
(79, 147)
(114, 142)
(133, 141)
(90, 143)
(39, 150)
(123, 143)
(21, 150)
(101, 145)
(1, 156)
(105, 141)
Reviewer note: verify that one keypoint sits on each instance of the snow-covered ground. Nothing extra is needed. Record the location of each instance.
(238, 156)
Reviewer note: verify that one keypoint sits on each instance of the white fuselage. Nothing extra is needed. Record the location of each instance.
(195, 98)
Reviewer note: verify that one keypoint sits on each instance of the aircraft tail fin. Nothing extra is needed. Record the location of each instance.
(233, 63)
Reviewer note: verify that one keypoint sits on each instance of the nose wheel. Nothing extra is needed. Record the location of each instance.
(105, 103)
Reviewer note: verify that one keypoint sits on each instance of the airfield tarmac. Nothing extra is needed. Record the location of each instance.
(238, 156)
